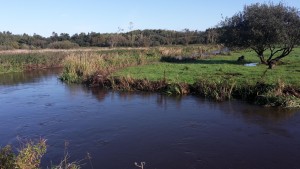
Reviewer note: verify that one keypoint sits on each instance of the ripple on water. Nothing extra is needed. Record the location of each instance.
(124, 128)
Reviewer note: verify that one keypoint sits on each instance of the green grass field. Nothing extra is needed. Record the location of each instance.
(219, 68)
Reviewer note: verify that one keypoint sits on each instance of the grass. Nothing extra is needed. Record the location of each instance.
(222, 77)
(198, 69)
(18, 62)
(82, 67)
(217, 68)
(29, 156)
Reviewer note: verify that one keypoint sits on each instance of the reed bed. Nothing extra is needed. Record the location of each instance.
(93, 67)
(30, 61)
(278, 95)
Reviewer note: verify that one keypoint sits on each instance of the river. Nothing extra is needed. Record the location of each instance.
(120, 128)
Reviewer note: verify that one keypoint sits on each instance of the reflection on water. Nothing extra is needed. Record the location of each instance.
(248, 112)
(120, 128)
(270, 119)
(26, 77)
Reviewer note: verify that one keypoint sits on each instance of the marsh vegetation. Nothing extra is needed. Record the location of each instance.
(219, 77)
(204, 70)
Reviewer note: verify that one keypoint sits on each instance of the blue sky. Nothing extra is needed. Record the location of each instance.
(75, 16)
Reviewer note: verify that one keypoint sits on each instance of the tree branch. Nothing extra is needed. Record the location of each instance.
(272, 48)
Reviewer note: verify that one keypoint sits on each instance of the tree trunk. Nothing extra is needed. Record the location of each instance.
(262, 60)
(272, 64)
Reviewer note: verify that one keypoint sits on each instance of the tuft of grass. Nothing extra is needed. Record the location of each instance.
(217, 90)
(29, 157)
(7, 157)
(30, 154)
(65, 164)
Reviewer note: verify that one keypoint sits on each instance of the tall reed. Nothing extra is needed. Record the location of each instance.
(29, 61)
(80, 67)
(217, 90)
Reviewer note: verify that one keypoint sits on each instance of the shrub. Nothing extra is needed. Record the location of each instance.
(63, 45)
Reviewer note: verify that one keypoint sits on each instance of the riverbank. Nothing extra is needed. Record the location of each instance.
(25, 60)
(19, 62)
(207, 71)
(219, 77)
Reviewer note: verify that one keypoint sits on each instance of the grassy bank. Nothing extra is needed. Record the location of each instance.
(18, 62)
(90, 67)
(222, 77)
(219, 77)
(218, 68)
(80, 67)
(23, 60)
(208, 71)
(185, 70)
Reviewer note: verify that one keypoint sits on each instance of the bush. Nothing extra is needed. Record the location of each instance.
(63, 45)
(6, 47)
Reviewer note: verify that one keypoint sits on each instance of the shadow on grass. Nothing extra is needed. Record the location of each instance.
(207, 61)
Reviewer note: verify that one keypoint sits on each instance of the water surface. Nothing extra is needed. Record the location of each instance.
(118, 129)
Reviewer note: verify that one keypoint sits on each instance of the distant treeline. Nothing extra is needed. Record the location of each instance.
(136, 38)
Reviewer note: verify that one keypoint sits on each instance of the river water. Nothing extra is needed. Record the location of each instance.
(118, 128)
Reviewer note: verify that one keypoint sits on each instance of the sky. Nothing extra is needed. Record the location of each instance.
(106, 16)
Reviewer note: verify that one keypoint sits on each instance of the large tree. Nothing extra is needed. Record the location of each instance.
(264, 27)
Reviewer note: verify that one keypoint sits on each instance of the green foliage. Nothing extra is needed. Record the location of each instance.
(7, 157)
(30, 155)
(134, 38)
(217, 90)
(262, 27)
(176, 89)
(63, 45)
(275, 95)
(29, 61)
